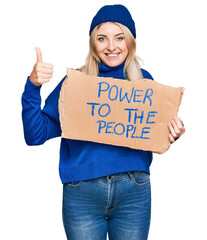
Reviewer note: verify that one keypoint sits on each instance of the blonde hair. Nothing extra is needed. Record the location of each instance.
(131, 67)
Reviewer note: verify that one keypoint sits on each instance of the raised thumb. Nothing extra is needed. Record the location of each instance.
(39, 54)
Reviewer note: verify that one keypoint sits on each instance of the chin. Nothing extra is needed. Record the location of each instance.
(113, 63)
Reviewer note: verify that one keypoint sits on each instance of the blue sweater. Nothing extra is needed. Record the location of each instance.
(79, 160)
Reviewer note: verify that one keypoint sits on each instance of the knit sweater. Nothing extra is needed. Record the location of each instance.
(79, 160)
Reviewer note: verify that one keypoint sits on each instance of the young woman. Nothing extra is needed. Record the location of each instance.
(105, 188)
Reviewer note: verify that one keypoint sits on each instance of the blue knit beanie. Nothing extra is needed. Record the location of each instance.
(114, 13)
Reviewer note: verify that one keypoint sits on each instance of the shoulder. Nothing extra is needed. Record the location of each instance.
(146, 74)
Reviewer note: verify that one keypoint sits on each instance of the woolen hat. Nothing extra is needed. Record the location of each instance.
(114, 13)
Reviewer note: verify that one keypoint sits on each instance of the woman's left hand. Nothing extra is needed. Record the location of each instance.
(176, 129)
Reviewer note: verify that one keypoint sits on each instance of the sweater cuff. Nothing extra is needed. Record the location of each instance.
(31, 89)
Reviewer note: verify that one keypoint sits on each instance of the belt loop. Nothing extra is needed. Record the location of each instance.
(131, 176)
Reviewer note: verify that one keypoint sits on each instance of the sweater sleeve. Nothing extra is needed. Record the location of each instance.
(39, 124)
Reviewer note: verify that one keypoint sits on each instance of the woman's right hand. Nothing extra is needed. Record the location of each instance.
(42, 72)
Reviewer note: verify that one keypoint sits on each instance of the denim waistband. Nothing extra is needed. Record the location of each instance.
(119, 176)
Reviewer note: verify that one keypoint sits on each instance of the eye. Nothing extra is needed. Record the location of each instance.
(120, 38)
(101, 39)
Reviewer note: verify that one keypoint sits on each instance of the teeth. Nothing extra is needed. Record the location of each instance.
(112, 55)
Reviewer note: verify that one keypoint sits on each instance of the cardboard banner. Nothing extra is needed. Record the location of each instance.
(118, 112)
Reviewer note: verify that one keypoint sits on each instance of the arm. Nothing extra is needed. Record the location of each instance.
(40, 125)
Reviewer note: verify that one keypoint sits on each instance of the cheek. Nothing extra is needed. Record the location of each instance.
(99, 51)
(125, 52)
(99, 48)
(124, 48)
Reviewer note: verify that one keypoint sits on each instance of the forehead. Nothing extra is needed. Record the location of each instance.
(109, 28)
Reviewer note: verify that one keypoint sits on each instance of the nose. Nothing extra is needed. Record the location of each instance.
(111, 46)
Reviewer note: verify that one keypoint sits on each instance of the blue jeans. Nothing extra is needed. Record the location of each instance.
(119, 204)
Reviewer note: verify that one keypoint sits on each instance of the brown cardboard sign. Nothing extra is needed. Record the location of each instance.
(118, 112)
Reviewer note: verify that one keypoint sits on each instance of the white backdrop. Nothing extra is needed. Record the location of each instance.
(171, 40)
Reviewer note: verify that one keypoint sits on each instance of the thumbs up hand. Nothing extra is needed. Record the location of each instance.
(42, 72)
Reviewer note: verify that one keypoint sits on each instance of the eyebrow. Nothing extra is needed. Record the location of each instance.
(106, 35)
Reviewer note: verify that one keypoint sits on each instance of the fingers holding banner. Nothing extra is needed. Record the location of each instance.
(176, 129)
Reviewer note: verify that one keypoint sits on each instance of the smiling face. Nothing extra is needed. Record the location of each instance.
(110, 44)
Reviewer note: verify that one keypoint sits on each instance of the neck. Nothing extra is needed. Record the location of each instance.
(115, 72)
